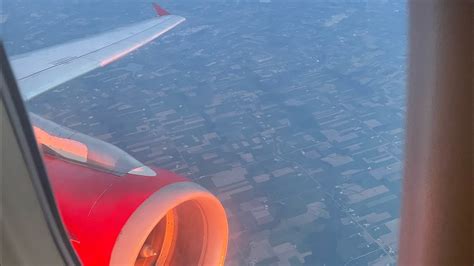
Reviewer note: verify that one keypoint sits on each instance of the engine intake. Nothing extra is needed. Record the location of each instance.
(181, 224)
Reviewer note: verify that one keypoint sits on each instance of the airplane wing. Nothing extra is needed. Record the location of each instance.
(42, 70)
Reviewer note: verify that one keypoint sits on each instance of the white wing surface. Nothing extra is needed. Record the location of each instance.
(42, 70)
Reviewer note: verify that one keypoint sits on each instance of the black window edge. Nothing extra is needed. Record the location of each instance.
(18, 115)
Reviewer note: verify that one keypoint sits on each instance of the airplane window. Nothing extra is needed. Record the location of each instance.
(256, 132)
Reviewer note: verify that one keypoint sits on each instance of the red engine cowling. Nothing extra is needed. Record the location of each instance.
(136, 219)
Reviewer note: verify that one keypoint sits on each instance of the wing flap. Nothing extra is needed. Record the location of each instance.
(39, 71)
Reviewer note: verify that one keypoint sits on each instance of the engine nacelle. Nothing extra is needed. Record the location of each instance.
(138, 219)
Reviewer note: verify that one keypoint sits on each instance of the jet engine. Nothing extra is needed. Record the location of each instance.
(118, 211)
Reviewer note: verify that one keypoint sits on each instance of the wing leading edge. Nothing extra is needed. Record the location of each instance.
(42, 70)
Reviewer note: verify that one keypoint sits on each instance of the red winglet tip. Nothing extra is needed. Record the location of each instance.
(159, 10)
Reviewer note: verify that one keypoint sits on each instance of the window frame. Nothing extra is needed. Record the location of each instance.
(18, 117)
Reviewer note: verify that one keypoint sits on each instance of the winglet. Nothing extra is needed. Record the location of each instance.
(159, 10)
